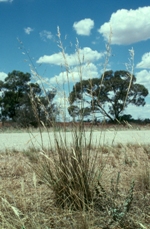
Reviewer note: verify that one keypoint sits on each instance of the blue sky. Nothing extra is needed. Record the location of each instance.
(35, 23)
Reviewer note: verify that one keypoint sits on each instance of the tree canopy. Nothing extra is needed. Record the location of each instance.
(24, 102)
(110, 94)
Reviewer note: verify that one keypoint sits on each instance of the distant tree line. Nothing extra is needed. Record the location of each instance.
(27, 104)
(24, 102)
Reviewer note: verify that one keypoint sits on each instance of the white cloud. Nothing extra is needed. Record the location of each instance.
(62, 100)
(84, 26)
(86, 55)
(145, 62)
(3, 75)
(46, 35)
(143, 77)
(138, 112)
(28, 30)
(128, 26)
(87, 71)
(6, 1)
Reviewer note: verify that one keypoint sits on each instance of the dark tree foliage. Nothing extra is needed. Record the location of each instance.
(15, 87)
(111, 90)
(73, 111)
(23, 101)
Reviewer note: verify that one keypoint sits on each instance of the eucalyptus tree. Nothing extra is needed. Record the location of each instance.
(109, 95)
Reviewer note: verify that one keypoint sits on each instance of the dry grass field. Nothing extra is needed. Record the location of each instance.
(27, 199)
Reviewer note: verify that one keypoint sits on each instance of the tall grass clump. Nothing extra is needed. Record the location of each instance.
(71, 175)
(72, 170)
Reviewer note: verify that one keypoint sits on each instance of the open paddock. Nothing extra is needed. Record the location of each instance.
(22, 141)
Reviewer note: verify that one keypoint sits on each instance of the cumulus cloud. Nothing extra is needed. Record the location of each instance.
(84, 26)
(87, 71)
(138, 112)
(3, 75)
(28, 30)
(86, 54)
(46, 35)
(145, 62)
(143, 77)
(127, 26)
(6, 1)
(61, 100)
